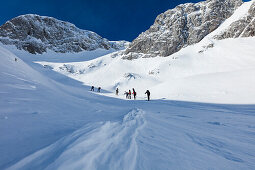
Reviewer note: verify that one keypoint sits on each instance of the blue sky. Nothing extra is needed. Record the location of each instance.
(112, 19)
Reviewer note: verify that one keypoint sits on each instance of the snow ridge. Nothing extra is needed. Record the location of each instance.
(95, 146)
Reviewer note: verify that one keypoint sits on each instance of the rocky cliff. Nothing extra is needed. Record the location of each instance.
(36, 34)
(184, 25)
(243, 27)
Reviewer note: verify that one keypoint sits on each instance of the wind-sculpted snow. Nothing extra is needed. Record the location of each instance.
(54, 123)
(161, 135)
(100, 145)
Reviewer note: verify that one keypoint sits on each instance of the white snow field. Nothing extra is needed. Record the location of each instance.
(49, 121)
(223, 74)
(201, 116)
(210, 71)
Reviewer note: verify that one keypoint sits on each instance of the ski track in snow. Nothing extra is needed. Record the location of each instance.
(101, 145)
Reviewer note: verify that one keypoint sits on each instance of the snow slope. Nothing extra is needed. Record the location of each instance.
(36, 110)
(156, 138)
(222, 74)
(49, 121)
(211, 71)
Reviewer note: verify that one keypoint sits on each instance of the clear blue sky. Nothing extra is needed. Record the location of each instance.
(112, 19)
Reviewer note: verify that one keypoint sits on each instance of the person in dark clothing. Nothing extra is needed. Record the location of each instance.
(129, 94)
(117, 91)
(16, 59)
(126, 93)
(92, 88)
(99, 88)
(134, 93)
(148, 94)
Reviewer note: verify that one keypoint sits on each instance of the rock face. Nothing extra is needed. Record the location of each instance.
(36, 34)
(182, 26)
(244, 27)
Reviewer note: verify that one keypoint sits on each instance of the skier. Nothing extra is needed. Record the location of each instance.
(92, 88)
(129, 94)
(99, 88)
(16, 59)
(126, 93)
(117, 91)
(134, 93)
(148, 94)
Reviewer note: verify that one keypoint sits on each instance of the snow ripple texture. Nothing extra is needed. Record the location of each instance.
(102, 145)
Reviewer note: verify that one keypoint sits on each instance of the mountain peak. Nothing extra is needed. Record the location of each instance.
(184, 25)
(37, 34)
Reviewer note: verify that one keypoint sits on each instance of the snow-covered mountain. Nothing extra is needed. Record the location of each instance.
(184, 25)
(243, 26)
(49, 121)
(212, 70)
(37, 34)
(53, 121)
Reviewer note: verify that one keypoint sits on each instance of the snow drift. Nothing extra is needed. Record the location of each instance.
(52, 121)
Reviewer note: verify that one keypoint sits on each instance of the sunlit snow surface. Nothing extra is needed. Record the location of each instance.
(173, 137)
(209, 71)
(222, 74)
(50, 120)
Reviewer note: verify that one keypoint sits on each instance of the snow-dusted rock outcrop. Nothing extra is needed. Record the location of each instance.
(36, 34)
(243, 27)
(184, 25)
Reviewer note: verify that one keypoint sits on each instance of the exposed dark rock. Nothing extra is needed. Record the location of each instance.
(244, 27)
(36, 34)
(184, 25)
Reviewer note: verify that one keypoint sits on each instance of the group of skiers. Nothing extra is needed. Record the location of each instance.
(93, 89)
(129, 94)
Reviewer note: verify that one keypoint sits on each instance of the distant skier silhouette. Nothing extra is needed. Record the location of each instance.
(126, 93)
(92, 88)
(134, 93)
(117, 91)
(129, 94)
(99, 88)
(148, 94)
